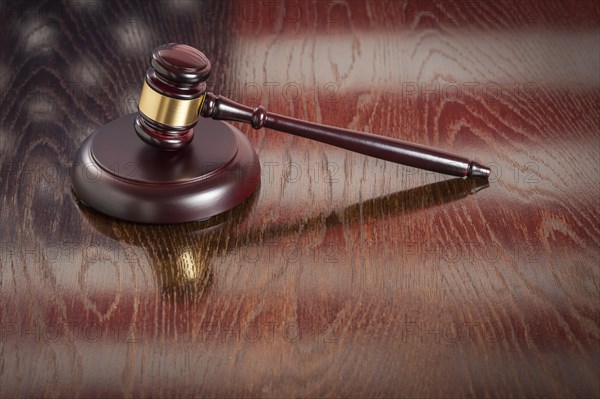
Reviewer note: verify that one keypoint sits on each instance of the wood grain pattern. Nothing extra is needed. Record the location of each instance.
(343, 276)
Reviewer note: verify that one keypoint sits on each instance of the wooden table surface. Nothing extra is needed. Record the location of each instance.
(343, 276)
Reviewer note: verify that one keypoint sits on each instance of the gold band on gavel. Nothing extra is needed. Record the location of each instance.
(168, 111)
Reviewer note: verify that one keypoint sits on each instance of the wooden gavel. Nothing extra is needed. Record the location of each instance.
(177, 179)
(174, 96)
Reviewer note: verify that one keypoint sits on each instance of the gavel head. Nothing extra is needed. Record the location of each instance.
(171, 96)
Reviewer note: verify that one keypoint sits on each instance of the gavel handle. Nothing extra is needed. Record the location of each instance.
(402, 152)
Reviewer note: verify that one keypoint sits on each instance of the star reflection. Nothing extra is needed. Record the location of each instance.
(133, 36)
(38, 34)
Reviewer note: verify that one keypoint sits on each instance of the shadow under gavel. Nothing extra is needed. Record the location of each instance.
(181, 255)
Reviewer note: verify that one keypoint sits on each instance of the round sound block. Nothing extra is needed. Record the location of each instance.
(118, 174)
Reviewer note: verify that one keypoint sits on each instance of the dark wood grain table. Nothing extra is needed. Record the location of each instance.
(344, 275)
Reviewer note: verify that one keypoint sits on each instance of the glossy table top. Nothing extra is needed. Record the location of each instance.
(344, 275)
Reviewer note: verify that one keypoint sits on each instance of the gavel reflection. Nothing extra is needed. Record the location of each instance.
(181, 255)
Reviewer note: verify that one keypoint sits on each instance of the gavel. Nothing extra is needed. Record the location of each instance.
(174, 96)
(173, 177)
